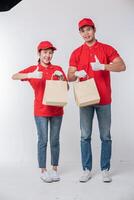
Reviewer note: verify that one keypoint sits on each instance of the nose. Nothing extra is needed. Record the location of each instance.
(86, 33)
(48, 55)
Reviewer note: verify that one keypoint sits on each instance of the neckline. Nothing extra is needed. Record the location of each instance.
(93, 46)
(43, 67)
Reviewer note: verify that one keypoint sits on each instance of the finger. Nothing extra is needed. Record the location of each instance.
(92, 64)
(37, 69)
(59, 73)
(83, 71)
(55, 71)
(96, 59)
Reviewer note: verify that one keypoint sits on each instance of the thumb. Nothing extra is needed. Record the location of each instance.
(36, 70)
(96, 59)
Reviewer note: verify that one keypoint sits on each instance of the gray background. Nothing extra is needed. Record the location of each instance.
(21, 30)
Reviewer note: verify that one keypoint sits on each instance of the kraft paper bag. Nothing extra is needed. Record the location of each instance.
(86, 93)
(55, 93)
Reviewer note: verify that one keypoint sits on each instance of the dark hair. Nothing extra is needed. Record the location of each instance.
(86, 25)
(46, 49)
(39, 61)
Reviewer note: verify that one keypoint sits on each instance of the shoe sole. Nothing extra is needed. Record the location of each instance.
(46, 181)
(107, 181)
(56, 180)
(85, 181)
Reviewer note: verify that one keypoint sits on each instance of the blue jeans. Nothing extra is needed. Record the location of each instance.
(104, 120)
(42, 130)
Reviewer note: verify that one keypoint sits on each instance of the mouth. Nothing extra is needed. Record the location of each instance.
(47, 59)
(87, 37)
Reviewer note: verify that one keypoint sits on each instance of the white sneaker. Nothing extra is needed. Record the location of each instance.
(85, 176)
(106, 176)
(55, 176)
(46, 177)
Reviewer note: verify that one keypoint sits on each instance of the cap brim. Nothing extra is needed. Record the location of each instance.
(53, 48)
(86, 25)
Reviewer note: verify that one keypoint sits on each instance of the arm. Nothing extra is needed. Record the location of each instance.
(27, 74)
(117, 65)
(71, 73)
(19, 76)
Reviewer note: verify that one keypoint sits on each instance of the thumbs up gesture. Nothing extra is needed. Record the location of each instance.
(35, 74)
(96, 66)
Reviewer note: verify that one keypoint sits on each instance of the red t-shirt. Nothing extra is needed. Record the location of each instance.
(38, 86)
(81, 58)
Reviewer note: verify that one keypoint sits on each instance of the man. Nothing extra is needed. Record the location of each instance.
(95, 60)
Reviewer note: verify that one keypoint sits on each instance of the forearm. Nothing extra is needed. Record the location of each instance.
(71, 74)
(71, 77)
(19, 76)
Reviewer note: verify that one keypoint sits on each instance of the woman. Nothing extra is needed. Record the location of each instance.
(37, 75)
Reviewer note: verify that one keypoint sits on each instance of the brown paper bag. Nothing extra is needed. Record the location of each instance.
(55, 93)
(86, 93)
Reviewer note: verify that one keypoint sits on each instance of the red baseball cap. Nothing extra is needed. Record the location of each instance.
(85, 22)
(45, 45)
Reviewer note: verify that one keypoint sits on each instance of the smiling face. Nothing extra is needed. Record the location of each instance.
(45, 56)
(88, 34)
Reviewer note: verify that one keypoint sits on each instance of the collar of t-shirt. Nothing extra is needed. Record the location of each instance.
(95, 45)
(50, 66)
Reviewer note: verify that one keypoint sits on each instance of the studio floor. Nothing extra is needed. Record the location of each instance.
(22, 182)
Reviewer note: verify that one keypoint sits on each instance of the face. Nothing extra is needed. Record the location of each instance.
(45, 56)
(88, 33)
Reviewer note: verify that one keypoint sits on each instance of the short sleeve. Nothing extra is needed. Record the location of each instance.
(73, 60)
(111, 53)
(27, 70)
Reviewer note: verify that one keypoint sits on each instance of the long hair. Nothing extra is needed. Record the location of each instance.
(39, 61)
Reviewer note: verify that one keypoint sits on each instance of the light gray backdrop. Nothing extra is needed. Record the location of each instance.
(21, 29)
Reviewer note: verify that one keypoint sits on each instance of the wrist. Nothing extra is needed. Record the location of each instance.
(106, 67)
(103, 67)
(76, 74)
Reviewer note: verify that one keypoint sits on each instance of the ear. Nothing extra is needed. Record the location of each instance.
(80, 32)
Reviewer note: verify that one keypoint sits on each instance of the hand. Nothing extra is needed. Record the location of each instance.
(80, 74)
(35, 74)
(96, 66)
(57, 73)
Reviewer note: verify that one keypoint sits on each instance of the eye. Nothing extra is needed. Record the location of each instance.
(81, 31)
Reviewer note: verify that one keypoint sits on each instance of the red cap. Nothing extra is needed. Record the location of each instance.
(45, 45)
(85, 22)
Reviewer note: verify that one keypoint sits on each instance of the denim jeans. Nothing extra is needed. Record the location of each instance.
(42, 130)
(104, 121)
